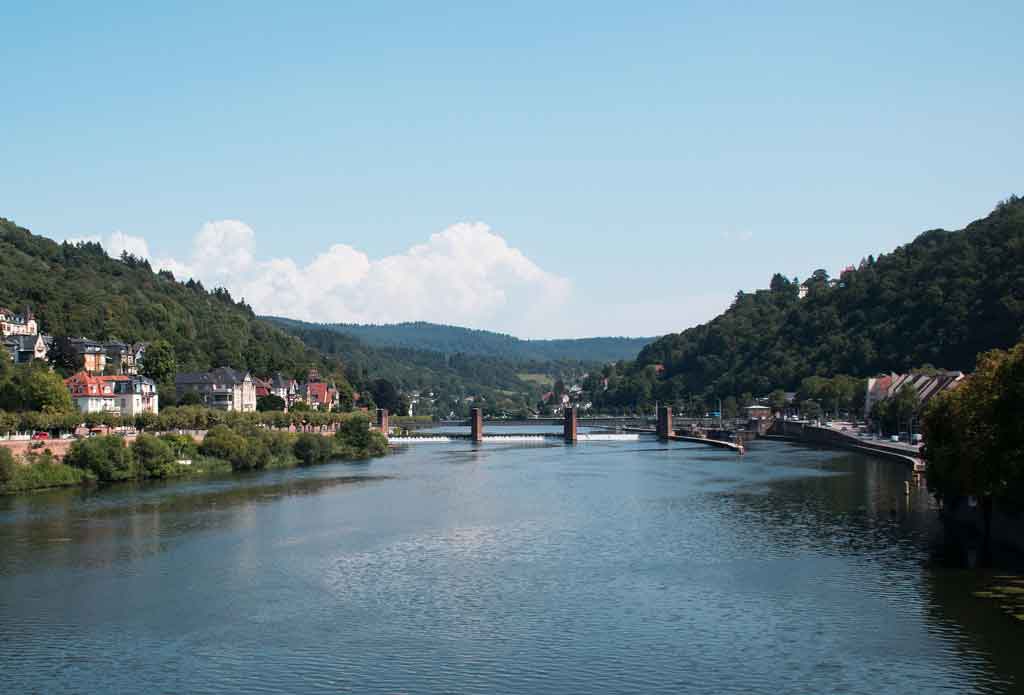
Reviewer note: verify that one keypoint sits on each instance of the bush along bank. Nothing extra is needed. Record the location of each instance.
(242, 447)
(38, 472)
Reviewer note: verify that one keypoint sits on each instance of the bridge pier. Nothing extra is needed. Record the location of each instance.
(665, 422)
(570, 425)
(383, 421)
(476, 425)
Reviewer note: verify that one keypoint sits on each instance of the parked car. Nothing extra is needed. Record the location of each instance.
(894, 438)
(41, 435)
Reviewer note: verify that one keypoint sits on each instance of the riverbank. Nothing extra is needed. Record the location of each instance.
(222, 449)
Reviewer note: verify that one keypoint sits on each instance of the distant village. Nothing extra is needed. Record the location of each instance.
(110, 380)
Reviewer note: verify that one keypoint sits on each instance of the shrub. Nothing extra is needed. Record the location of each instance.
(181, 445)
(7, 467)
(312, 448)
(355, 432)
(223, 443)
(106, 457)
(155, 458)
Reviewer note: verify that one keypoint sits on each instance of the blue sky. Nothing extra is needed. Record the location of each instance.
(645, 161)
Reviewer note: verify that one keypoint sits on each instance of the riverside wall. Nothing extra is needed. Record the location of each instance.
(823, 436)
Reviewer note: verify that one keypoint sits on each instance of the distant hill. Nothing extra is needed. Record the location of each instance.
(939, 300)
(421, 335)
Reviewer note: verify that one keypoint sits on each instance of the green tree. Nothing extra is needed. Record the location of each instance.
(7, 465)
(270, 402)
(34, 387)
(223, 443)
(355, 431)
(159, 362)
(155, 458)
(106, 457)
(810, 410)
(190, 398)
(974, 436)
(777, 400)
(312, 448)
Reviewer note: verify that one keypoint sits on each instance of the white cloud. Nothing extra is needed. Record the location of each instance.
(116, 242)
(737, 235)
(466, 274)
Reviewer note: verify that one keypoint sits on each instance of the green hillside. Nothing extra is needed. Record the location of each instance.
(421, 335)
(939, 300)
(78, 290)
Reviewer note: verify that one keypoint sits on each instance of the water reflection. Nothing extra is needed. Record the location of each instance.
(93, 528)
(637, 567)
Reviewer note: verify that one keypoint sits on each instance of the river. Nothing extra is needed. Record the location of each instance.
(625, 567)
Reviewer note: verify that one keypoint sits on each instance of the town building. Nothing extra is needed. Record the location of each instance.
(759, 412)
(17, 324)
(91, 355)
(926, 384)
(127, 396)
(223, 388)
(25, 348)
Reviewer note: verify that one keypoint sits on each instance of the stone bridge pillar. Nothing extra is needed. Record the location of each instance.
(383, 421)
(476, 425)
(570, 426)
(665, 422)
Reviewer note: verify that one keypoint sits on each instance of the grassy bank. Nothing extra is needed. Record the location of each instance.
(242, 447)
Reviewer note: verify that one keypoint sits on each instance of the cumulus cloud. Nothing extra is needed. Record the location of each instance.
(466, 274)
(116, 242)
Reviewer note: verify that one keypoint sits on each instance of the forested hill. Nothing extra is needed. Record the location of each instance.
(420, 335)
(78, 290)
(939, 300)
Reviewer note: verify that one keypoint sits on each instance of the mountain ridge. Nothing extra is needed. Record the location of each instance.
(448, 339)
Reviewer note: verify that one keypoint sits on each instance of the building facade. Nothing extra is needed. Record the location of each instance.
(17, 324)
(223, 388)
(127, 396)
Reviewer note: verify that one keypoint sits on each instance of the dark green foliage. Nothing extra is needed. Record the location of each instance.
(355, 432)
(38, 472)
(421, 335)
(939, 300)
(974, 434)
(7, 467)
(32, 386)
(190, 398)
(181, 446)
(311, 449)
(270, 403)
(155, 457)
(105, 457)
(159, 362)
(385, 395)
(224, 443)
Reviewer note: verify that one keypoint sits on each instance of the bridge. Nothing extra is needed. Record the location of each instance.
(625, 429)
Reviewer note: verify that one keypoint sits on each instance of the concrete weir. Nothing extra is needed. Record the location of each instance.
(570, 433)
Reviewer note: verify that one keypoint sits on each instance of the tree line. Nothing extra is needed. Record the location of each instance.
(939, 300)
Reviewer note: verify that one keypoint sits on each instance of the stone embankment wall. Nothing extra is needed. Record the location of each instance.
(823, 436)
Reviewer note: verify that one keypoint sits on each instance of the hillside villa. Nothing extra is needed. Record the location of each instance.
(122, 395)
(222, 388)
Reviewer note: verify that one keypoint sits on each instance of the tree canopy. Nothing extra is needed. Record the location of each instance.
(940, 300)
(974, 434)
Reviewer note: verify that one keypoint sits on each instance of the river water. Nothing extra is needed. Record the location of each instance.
(625, 567)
